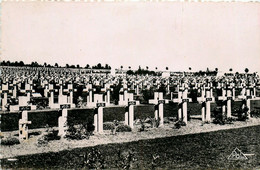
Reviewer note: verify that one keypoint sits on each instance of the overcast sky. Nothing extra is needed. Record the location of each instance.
(177, 35)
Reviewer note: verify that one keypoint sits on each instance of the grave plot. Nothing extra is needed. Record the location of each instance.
(4, 96)
(129, 111)
(182, 104)
(98, 118)
(205, 101)
(23, 123)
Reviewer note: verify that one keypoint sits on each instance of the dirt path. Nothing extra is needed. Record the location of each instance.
(194, 126)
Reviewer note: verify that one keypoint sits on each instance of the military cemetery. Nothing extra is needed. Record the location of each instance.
(129, 84)
(41, 105)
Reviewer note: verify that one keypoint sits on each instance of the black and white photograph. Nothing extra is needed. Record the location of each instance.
(129, 84)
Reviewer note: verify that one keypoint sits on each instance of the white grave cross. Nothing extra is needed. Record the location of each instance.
(23, 122)
(98, 118)
(129, 114)
(63, 119)
(185, 100)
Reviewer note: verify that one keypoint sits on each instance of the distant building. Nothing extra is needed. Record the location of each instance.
(220, 74)
(166, 74)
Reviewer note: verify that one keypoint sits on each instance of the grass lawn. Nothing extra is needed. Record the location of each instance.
(194, 151)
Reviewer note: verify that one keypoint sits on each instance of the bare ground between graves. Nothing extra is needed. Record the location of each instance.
(194, 126)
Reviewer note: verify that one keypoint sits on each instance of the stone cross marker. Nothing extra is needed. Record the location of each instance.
(70, 88)
(137, 89)
(23, 121)
(160, 107)
(90, 90)
(223, 99)
(185, 100)
(229, 99)
(243, 91)
(4, 92)
(51, 98)
(98, 117)
(14, 91)
(247, 98)
(129, 114)
(123, 96)
(254, 90)
(63, 119)
(226, 101)
(208, 101)
(202, 100)
(107, 90)
(179, 101)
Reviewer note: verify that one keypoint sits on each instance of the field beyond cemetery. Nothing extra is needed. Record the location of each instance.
(192, 146)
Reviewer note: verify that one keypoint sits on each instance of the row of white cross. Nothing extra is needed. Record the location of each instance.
(129, 112)
(127, 99)
(49, 92)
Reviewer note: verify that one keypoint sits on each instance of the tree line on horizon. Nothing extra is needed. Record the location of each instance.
(56, 65)
(140, 71)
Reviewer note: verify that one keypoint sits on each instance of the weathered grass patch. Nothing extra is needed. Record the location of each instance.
(193, 151)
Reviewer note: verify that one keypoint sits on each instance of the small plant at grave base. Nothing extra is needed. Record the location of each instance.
(108, 126)
(52, 135)
(255, 113)
(49, 135)
(94, 159)
(179, 124)
(155, 122)
(41, 105)
(42, 141)
(125, 160)
(7, 106)
(219, 118)
(142, 128)
(229, 120)
(84, 104)
(166, 120)
(83, 131)
(80, 102)
(114, 129)
(90, 128)
(206, 122)
(243, 114)
(123, 128)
